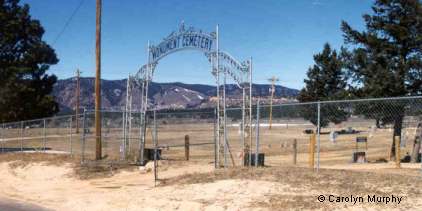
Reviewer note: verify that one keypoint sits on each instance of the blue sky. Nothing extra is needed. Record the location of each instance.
(280, 35)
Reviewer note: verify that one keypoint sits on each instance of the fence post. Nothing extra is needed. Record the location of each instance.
(22, 136)
(319, 135)
(398, 156)
(287, 124)
(83, 137)
(215, 139)
(2, 137)
(294, 151)
(143, 130)
(311, 150)
(242, 128)
(70, 134)
(128, 133)
(187, 147)
(155, 139)
(44, 135)
(123, 147)
(257, 135)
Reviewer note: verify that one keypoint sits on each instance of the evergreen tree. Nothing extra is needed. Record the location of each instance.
(326, 80)
(24, 59)
(387, 58)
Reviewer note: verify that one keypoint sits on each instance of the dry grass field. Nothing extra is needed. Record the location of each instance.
(58, 181)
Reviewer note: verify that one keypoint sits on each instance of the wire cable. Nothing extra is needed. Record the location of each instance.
(68, 21)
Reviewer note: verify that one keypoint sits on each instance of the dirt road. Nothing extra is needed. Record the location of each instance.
(13, 205)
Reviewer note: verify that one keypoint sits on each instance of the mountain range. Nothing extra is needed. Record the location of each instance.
(161, 95)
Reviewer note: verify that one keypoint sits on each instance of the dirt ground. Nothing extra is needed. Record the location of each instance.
(59, 182)
(55, 180)
(277, 143)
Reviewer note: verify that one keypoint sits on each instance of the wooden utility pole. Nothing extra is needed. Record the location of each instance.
(98, 81)
(78, 91)
(272, 80)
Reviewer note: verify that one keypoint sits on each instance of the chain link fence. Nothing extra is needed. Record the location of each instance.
(346, 130)
(56, 134)
(353, 131)
(178, 130)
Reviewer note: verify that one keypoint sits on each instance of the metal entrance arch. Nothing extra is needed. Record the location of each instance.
(222, 66)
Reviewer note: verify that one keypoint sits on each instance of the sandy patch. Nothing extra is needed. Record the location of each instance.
(196, 186)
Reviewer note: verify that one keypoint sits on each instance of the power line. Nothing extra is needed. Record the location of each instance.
(68, 21)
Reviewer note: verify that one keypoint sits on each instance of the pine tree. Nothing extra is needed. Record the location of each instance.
(24, 59)
(326, 80)
(386, 60)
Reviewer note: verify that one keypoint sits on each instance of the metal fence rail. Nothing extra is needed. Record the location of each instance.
(336, 125)
(39, 135)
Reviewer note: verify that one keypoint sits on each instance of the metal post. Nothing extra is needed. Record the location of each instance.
(215, 139)
(22, 123)
(318, 135)
(155, 139)
(123, 146)
(257, 135)
(243, 127)
(294, 151)
(288, 120)
(126, 118)
(272, 80)
(250, 111)
(83, 137)
(311, 150)
(225, 120)
(126, 111)
(70, 134)
(130, 119)
(142, 130)
(128, 132)
(142, 126)
(218, 95)
(44, 135)
(124, 132)
(148, 75)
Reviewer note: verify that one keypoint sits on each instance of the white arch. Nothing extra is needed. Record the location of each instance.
(221, 62)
